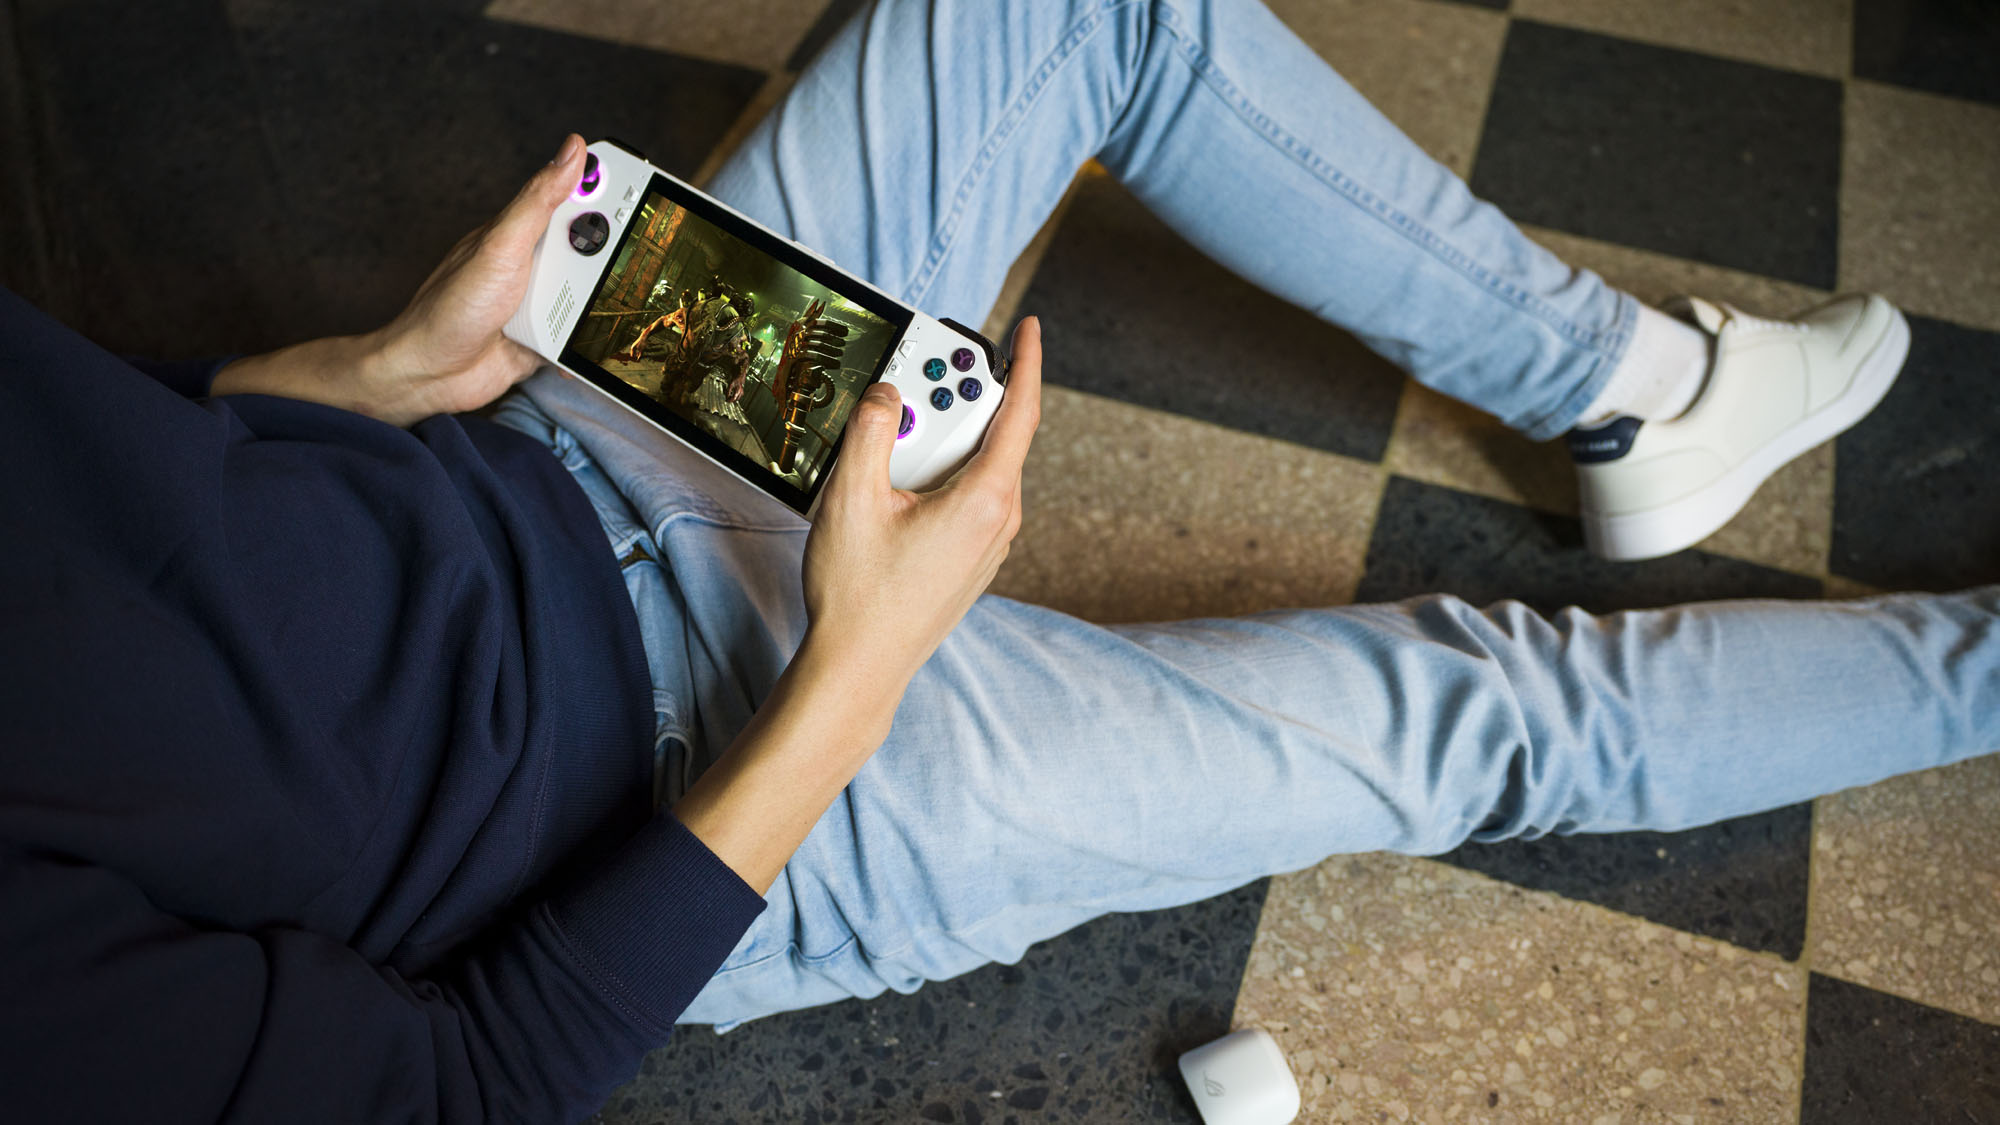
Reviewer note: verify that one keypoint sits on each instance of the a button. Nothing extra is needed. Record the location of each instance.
(906, 346)
(962, 359)
(895, 367)
(621, 213)
(941, 398)
(934, 369)
(969, 389)
(908, 423)
(631, 193)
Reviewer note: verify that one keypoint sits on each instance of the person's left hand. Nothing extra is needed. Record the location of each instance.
(444, 353)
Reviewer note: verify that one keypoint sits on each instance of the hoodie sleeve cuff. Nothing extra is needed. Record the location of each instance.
(189, 378)
(657, 920)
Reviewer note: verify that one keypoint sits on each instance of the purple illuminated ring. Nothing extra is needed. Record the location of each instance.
(593, 177)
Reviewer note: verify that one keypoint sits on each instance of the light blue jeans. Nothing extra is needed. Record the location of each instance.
(1043, 770)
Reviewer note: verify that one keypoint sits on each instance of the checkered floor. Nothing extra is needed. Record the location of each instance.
(200, 176)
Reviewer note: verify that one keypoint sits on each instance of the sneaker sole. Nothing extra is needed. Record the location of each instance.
(1692, 518)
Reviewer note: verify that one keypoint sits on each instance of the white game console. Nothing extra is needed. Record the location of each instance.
(759, 358)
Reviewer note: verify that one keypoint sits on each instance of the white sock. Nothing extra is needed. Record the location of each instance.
(1660, 375)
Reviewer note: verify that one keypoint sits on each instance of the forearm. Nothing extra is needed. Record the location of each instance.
(874, 625)
(825, 718)
(338, 371)
(398, 377)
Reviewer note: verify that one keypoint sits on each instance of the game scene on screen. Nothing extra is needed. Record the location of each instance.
(750, 350)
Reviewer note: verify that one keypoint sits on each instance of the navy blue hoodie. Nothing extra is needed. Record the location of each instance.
(323, 765)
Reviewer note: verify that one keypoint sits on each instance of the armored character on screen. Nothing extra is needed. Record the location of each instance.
(736, 386)
(803, 380)
(710, 308)
(720, 353)
(673, 322)
(709, 315)
(708, 326)
(721, 393)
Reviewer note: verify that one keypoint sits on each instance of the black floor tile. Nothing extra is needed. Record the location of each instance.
(24, 245)
(836, 14)
(1873, 1058)
(1135, 313)
(1742, 881)
(165, 234)
(1916, 500)
(233, 179)
(396, 128)
(1430, 539)
(248, 9)
(1086, 1028)
(1944, 46)
(1667, 150)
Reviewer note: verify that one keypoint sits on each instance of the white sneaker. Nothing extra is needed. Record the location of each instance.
(1776, 389)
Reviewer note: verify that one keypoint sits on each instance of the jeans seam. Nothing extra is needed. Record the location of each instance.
(792, 950)
(1565, 414)
(945, 237)
(726, 523)
(668, 726)
(1097, 907)
(1609, 342)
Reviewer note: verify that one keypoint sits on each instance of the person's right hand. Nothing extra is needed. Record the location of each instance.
(888, 572)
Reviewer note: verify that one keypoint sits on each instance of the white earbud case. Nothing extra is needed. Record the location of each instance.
(1242, 1079)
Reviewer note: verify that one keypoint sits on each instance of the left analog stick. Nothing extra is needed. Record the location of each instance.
(593, 177)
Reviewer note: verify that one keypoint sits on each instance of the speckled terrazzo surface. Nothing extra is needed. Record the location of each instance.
(1058, 1037)
(1825, 963)
(1407, 989)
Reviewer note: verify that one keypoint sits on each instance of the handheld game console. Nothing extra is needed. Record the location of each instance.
(739, 342)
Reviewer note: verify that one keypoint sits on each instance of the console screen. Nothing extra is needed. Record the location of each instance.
(748, 350)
